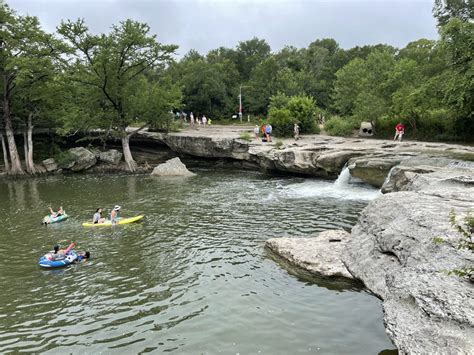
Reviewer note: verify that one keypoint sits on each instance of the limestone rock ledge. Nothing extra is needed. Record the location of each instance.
(320, 156)
(319, 255)
(393, 250)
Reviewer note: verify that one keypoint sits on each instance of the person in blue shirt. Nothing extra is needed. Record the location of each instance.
(268, 132)
(82, 256)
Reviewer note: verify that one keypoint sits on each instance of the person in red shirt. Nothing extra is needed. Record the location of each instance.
(399, 131)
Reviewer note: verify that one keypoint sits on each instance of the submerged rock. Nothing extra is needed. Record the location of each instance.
(319, 255)
(83, 158)
(173, 167)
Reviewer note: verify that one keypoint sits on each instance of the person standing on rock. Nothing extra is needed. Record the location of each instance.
(255, 131)
(268, 132)
(204, 120)
(191, 118)
(296, 131)
(399, 132)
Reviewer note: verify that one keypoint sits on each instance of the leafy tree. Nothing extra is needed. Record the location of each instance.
(361, 89)
(457, 39)
(26, 65)
(262, 85)
(444, 10)
(208, 88)
(249, 54)
(114, 65)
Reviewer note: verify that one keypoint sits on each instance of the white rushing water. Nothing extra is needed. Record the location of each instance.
(344, 188)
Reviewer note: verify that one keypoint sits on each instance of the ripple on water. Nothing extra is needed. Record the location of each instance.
(193, 277)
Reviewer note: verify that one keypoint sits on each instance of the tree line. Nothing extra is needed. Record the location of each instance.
(74, 80)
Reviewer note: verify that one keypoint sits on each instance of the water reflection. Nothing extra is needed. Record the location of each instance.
(194, 276)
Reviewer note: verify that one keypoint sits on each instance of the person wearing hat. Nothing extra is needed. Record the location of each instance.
(114, 215)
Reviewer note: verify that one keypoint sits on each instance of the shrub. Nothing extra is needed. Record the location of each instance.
(63, 158)
(302, 109)
(245, 136)
(385, 126)
(286, 111)
(281, 122)
(278, 144)
(337, 126)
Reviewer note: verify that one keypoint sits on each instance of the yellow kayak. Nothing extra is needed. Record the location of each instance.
(109, 223)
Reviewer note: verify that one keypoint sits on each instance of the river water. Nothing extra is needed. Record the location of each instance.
(194, 277)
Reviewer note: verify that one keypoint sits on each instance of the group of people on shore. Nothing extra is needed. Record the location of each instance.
(193, 120)
(266, 131)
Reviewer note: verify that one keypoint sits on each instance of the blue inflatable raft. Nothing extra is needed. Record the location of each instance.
(49, 220)
(48, 262)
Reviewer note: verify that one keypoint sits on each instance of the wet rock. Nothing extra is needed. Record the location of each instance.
(111, 156)
(50, 165)
(173, 167)
(319, 255)
(83, 158)
(373, 169)
(400, 176)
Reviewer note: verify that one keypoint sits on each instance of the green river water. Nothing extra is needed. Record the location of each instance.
(193, 277)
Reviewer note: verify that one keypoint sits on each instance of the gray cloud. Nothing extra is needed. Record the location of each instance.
(208, 24)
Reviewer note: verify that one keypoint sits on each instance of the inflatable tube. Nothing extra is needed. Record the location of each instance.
(45, 262)
(49, 220)
(108, 223)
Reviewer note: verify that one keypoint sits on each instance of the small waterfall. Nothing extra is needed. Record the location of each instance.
(344, 178)
(345, 187)
(389, 176)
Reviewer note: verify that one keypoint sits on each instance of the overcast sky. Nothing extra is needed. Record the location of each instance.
(208, 24)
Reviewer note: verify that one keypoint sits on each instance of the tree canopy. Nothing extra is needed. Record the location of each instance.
(74, 79)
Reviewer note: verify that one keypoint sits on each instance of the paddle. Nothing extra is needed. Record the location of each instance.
(68, 248)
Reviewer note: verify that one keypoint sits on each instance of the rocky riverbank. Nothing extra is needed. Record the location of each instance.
(319, 156)
(403, 246)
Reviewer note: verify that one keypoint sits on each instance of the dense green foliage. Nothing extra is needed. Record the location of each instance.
(76, 80)
(285, 111)
(337, 126)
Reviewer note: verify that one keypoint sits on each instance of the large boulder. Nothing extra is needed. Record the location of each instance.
(319, 255)
(83, 158)
(403, 249)
(112, 156)
(50, 165)
(173, 167)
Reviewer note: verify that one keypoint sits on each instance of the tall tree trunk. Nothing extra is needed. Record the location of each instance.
(14, 156)
(5, 154)
(25, 148)
(30, 165)
(127, 153)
